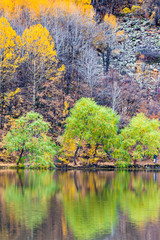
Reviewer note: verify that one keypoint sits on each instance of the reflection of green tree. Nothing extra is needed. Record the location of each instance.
(92, 215)
(141, 201)
(138, 198)
(91, 212)
(120, 182)
(90, 206)
(28, 201)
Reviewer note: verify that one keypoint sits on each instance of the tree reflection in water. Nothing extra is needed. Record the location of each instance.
(79, 205)
(98, 203)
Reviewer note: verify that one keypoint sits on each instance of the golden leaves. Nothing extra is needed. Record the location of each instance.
(111, 20)
(40, 51)
(14, 8)
(10, 45)
(66, 107)
(37, 40)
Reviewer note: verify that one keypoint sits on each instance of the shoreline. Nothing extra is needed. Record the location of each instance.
(109, 166)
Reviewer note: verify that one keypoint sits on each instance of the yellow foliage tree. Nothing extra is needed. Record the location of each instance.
(10, 45)
(41, 57)
(13, 8)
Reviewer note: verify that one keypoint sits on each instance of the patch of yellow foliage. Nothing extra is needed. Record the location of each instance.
(13, 8)
(134, 8)
(126, 10)
(66, 106)
(10, 44)
(39, 49)
(9, 97)
(120, 33)
(69, 148)
(111, 20)
(85, 154)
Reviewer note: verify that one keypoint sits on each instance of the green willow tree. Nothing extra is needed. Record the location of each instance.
(28, 139)
(94, 124)
(140, 139)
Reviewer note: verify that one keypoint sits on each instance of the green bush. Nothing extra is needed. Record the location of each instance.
(141, 138)
(28, 139)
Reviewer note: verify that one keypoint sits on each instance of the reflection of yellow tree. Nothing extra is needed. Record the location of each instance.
(27, 202)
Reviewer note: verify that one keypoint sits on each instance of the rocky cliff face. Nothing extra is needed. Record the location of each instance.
(102, 7)
(136, 53)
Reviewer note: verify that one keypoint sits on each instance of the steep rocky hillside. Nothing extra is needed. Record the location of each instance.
(137, 48)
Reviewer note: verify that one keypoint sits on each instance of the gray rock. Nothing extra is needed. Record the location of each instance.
(136, 35)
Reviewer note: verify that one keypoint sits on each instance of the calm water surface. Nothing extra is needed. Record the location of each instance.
(79, 205)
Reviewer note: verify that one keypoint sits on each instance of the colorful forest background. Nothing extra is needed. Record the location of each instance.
(54, 52)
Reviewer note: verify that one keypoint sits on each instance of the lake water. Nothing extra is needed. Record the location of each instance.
(83, 205)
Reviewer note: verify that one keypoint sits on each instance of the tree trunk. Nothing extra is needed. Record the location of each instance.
(2, 120)
(75, 163)
(75, 181)
(134, 162)
(95, 151)
(34, 88)
(20, 180)
(107, 58)
(20, 156)
(2, 112)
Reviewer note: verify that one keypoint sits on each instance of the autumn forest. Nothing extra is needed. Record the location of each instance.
(79, 83)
